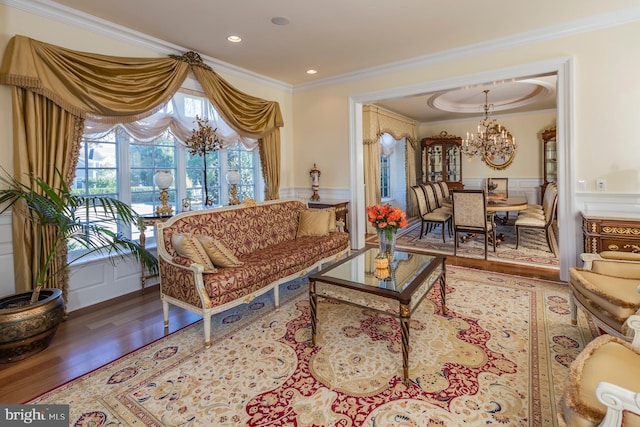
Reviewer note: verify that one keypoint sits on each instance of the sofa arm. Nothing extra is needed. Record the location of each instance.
(611, 263)
(618, 400)
(184, 283)
(633, 329)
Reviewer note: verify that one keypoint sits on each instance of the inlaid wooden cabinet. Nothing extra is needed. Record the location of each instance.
(610, 232)
(442, 159)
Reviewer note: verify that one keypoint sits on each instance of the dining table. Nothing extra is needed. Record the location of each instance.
(496, 204)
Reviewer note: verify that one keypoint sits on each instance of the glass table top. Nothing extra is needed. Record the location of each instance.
(361, 269)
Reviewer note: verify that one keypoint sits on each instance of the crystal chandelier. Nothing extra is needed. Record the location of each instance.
(492, 140)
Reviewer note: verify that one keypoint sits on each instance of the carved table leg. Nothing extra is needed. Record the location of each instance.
(313, 305)
(405, 320)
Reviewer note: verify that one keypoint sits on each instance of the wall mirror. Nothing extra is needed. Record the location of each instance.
(498, 162)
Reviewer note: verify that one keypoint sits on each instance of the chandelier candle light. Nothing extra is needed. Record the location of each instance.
(492, 140)
(387, 220)
(202, 141)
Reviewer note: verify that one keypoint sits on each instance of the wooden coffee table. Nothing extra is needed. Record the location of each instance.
(354, 280)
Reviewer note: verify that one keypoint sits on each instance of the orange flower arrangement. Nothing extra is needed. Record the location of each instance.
(387, 218)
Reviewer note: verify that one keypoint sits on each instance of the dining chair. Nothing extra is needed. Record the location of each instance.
(540, 221)
(430, 217)
(445, 189)
(440, 196)
(470, 216)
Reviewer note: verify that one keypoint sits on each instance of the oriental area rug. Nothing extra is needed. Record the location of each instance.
(499, 356)
(532, 250)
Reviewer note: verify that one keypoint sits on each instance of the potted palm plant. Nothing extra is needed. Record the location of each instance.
(29, 320)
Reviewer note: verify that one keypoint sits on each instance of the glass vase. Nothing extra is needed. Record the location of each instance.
(387, 242)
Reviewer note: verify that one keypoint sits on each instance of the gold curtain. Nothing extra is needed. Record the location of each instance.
(57, 88)
(53, 136)
(377, 121)
(251, 117)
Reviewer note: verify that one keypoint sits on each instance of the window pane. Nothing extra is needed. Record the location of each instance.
(145, 160)
(385, 192)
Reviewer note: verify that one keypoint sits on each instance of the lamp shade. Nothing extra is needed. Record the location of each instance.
(233, 176)
(163, 179)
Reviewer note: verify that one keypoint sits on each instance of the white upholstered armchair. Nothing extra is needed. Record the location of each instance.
(603, 386)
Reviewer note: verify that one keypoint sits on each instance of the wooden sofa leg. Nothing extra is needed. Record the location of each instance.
(276, 297)
(573, 308)
(165, 313)
(207, 330)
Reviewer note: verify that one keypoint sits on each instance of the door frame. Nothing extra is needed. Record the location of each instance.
(567, 216)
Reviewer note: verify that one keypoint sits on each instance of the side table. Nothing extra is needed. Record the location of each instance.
(144, 222)
(342, 209)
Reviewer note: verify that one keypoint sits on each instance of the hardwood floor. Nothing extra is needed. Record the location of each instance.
(96, 335)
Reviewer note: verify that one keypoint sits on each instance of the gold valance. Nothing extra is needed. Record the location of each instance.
(112, 89)
(376, 121)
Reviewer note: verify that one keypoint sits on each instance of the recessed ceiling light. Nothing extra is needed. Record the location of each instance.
(280, 20)
(312, 71)
(234, 39)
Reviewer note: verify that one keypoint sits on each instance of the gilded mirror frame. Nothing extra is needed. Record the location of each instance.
(500, 162)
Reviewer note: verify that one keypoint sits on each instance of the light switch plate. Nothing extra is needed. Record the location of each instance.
(601, 184)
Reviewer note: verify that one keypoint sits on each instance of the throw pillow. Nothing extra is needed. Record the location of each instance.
(313, 222)
(186, 245)
(218, 253)
(333, 227)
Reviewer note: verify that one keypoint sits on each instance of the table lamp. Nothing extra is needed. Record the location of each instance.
(233, 178)
(163, 180)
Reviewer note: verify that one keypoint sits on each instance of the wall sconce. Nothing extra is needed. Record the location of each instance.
(315, 182)
(163, 180)
(233, 178)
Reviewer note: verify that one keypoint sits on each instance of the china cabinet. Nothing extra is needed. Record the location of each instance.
(441, 159)
(550, 159)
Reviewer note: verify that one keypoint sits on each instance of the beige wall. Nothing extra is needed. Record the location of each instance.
(602, 127)
(527, 162)
(606, 101)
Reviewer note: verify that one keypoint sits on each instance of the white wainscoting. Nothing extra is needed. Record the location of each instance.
(7, 284)
(98, 280)
(518, 187)
(95, 281)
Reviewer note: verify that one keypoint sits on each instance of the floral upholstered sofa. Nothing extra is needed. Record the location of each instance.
(214, 259)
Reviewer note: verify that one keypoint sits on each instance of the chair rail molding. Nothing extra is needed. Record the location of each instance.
(622, 204)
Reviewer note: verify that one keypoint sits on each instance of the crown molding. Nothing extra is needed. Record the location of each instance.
(57, 12)
(565, 29)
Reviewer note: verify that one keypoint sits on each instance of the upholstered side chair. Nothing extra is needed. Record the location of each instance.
(470, 216)
(607, 289)
(430, 217)
(440, 196)
(539, 221)
(603, 385)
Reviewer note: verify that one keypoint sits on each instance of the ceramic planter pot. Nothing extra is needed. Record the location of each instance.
(28, 329)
